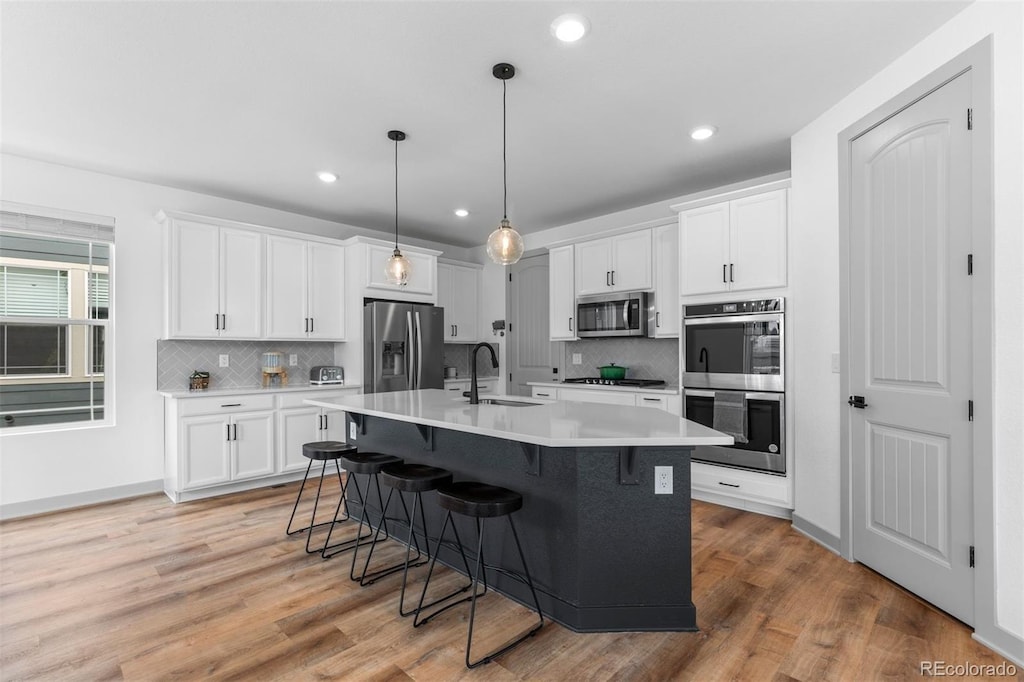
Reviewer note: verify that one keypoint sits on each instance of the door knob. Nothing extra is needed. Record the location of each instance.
(857, 401)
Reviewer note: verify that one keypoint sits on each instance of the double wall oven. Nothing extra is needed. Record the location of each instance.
(733, 360)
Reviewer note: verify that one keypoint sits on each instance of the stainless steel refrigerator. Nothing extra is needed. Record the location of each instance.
(404, 346)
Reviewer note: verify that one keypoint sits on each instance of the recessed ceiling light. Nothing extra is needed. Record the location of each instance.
(703, 132)
(461, 212)
(570, 27)
(327, 176)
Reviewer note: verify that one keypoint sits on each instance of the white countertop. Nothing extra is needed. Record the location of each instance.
(550, 423)
(256, 389)
(669, 390)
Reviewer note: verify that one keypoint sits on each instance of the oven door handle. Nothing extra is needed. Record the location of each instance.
(749, 395)
(730, 319)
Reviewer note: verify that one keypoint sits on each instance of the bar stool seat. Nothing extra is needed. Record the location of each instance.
(479, 501)
(414, 478)
(368, 462)
(322, 451)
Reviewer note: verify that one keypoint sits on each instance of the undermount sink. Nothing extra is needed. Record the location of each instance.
(505, 402)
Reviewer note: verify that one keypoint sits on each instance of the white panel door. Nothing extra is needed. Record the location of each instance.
(286, 288)
(194, 287)
(326, 291)
(561, 294)
(631, 261)
(241, 284)
(531, 354)
(757, 241)
(910, 350)
(252, 441)
(594, 267)
(665, 245)
(204, 443)
(704, 250)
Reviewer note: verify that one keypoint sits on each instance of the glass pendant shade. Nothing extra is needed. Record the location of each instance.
(505, 246)
(397, 269)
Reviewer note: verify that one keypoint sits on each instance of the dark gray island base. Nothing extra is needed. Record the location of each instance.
(605, 552)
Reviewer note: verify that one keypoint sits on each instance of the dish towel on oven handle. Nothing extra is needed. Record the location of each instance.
(730, 415)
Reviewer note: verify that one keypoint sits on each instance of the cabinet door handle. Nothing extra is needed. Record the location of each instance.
(312, 325)
(570, 324)
(234, 430)
(607, 278)
(729, 485)
(543, 395)
(613, 278)
(653, 400)
(216, 321)
(730, 273)
(223, 321)
(306, 322)
(657, 319)
(227, 428)
(724, 280)
(231, 405)
(456, 330)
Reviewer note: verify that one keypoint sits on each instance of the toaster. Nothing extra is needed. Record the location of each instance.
(326, 374)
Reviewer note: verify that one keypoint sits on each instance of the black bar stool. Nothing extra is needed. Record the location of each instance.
(416, 479)
(323, 451)
(480, 501)
(370, 464)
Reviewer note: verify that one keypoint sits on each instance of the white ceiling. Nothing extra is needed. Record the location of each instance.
(248, 100)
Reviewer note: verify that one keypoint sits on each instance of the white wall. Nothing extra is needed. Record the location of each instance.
(37, 466)
(814, 278)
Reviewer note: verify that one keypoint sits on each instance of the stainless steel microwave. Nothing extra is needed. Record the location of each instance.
(621, 314)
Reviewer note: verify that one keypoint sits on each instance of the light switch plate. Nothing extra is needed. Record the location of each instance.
(293, 360)
(577, 358)
(223, 359)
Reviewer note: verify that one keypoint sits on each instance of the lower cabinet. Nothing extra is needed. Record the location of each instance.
(456, 388)
(750, 490)
(668, 402)
(215, 445)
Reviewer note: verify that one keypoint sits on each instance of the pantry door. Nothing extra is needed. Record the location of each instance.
(531, 354)
(909, 341)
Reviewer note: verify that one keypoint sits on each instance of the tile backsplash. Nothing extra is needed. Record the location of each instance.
(457, 355)
(644, 358)
(176, 360)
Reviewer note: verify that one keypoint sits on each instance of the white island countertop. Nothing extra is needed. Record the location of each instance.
(548, 423)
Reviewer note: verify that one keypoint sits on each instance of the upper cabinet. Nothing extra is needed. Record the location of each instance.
(422, 284)
(305, 290)
(734, 245)
(666, 281)
(562, 294)
(458, 292)
(619, 263)
(214, 281)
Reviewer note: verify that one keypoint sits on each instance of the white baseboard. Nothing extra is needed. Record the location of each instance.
(1003, 643)
(61, 502)
(819, 535)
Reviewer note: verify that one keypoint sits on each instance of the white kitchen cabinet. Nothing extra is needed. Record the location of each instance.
(741, 489)
(562, 294)
(214, 281)
(670, 402)
(545, 392)
(298, 424)
(734, 245)
(488, 385)
(596, 395)
(619, 263)
(422, 278)
(305, 290)
(226, 446)
(665, 240)
(458, 292)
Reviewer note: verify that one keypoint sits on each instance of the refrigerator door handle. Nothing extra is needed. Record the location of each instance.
(410, 361)
(419, 352)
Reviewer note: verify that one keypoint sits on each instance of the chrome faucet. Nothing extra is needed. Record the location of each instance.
(473, 392)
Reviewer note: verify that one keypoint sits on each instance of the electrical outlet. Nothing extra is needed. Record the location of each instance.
(223, 359)
(577, 358)
(293, 360)
(352, 430)
(662, 480)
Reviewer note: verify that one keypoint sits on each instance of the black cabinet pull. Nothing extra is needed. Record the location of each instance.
(657, 319)
(543, 395)
(235, 431)
(306, 321)
(653, 400)
(223, 321)
(570, 324)
(231, 404)
(730, 273)
(325, 422)
(613, 278)
(227, 435)
(312, 325)
(723, 273)
(729, 485)
(216, 321)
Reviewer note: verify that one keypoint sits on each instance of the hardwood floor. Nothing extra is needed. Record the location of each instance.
(144, 589)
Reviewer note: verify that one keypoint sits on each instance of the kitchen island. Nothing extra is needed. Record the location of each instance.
(606, 553)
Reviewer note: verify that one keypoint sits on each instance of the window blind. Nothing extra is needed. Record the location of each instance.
(33, 292)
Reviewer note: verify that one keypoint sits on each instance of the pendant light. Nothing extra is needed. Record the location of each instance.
(504, 246)
(398, 267)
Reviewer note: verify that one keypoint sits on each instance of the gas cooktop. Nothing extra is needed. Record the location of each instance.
(646, 383)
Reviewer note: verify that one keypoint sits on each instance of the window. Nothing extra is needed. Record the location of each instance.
(55, 313)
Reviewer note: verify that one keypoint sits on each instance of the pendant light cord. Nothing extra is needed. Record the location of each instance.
(396, 195)
(504, 148)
